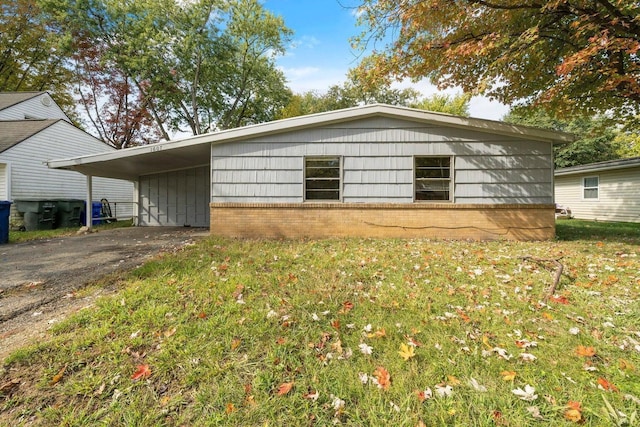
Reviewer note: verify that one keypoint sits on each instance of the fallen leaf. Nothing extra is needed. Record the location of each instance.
(508, 375)
(9, 387)
(406, 351)
(547, 316)
(452, 380)
(560, 299)
(347, 306)
(57, 377)
(284, 388)
(573, 412)
(606, 385)
(142, 371)
(169, 332)
(312, 395)
(378, 334)
(235, 343)
(230, 408)
(535, 412)
(585, 351)
(528, 394)
(625, 365)
(383, 377)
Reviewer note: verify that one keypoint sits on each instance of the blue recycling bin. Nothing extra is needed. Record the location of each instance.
(96, 212)
(5, 209)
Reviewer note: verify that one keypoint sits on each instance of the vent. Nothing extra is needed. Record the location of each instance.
(46, 100)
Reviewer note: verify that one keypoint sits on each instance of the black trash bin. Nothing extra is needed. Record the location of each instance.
(38, 214)
(69, 213)
(5, 209)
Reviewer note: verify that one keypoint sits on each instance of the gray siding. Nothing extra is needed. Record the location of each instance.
(618, 195)
(33, 108)
(176, 198)
(32, 179)
(378, 164)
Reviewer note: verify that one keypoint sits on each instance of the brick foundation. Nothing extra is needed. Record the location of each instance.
(418, 220)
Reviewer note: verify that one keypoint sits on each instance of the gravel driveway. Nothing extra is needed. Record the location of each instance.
(38, 279)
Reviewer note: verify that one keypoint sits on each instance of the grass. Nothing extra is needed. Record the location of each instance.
(271, 333)
(27, 236)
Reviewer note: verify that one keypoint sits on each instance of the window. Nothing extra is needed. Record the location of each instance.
(322, 178)
(590, 186)
(432, 178)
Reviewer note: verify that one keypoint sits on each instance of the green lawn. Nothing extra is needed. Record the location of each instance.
(350, 332)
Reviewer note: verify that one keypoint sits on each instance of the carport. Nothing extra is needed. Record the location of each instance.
(171, 180)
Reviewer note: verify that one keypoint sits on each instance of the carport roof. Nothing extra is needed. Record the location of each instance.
(195, 151)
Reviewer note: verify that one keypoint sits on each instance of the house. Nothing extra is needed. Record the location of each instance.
(29, 105)
(375, 170)
(604, 191)
(33, 130)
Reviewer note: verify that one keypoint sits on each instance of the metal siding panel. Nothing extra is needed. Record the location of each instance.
(378, 176)
(504, 176)
(503, 162)
(377, 191)
(499, 190)
(175, 198)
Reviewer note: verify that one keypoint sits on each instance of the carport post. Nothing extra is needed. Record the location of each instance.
(88, 212)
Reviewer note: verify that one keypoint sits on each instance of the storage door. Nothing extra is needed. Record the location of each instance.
(179, 198)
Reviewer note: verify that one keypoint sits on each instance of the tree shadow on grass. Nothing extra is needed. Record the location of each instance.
(575, 229)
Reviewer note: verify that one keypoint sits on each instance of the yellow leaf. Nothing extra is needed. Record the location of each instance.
(377, 334)
(235, 343)
(508, 375)
(57, 377)
(230, 408)
(406, 351)
(625, 365)
(452, 380)
(573, 415)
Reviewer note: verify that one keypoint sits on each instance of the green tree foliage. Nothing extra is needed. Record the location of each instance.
(33, 52)
(350, 94)
(458, 105)
(145, 68)
(569, 55)
(596, 136)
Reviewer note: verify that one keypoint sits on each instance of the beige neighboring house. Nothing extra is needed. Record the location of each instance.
(604, 191)
(33, 130)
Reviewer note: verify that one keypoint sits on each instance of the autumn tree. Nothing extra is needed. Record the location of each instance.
(33, 51)
(568, 55)
(150, 67)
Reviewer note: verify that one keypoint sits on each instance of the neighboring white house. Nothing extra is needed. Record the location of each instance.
(375, 170)
(26, 144)
(604, 191)
(29, 105)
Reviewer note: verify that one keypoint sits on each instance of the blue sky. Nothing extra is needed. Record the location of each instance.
(321, 54)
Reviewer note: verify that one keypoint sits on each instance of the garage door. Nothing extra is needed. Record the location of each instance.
(179, 198)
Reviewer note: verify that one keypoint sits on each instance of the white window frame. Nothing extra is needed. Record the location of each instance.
(340, 180)
(450, 179)
(596, 187)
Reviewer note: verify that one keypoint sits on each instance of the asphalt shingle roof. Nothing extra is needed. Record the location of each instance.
(8, 99)
(13, 132)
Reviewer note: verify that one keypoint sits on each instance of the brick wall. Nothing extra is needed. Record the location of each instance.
(440, 221)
